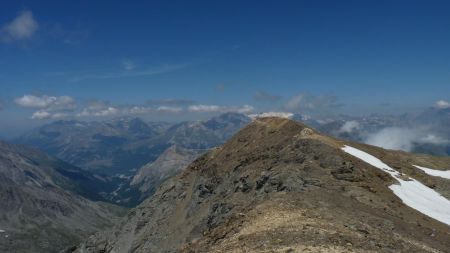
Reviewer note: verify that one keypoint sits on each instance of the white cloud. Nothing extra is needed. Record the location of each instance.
(204, 108)
(107, 112)
(46, 102)
(104, 109)
(49, 107)
(216, 108)
(287, 115)
(103, 112)
(403, 138)
(170, 109)
(23, 27)
(32, 101)
(245, 109)
(442, 104)
(53, 107)
(42, 114)
(349, 126)
(137, 110)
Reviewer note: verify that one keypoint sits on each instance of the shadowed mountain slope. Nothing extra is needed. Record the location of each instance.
(42, 208)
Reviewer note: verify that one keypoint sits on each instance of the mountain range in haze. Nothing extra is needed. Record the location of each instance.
(123, 148)
(117, 149)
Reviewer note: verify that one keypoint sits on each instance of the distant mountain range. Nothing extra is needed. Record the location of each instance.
(47, 204)
(280, 186)
(108, 147)
(119, 148)
(122, 146)
(123, 149)
(186, 180)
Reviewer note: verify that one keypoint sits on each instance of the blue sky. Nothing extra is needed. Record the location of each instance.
(65, 59)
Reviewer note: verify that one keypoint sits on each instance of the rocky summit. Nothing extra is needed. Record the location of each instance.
(279, 186)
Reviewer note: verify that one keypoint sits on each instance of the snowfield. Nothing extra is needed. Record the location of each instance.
(412, 192)
(436, 173)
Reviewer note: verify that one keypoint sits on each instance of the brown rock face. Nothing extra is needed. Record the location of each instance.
(277, 187)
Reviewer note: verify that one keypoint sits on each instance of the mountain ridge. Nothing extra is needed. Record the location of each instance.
(280, 186)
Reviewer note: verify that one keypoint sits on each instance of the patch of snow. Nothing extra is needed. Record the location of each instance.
(412, 192)
(436, 173)
(372, 160)
(287, 115)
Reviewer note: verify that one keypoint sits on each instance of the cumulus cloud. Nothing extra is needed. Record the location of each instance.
(287, 115)
(104, 112)
(50, 103)
(442, 104)
(204, 108)
(171, 109)
(55, 107)
(32, 101)
(262, 96)
(42, 114)
(136, 110)
(48, 107)
(244, 109)
(22, 27)
(216, 108)
(110, 111)
(404, 138)
(98, 108)
(349, 126)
